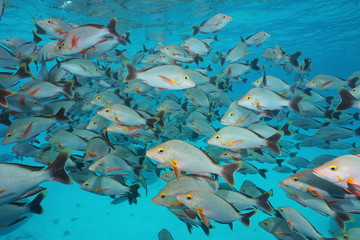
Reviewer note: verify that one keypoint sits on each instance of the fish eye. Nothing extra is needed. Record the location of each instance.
(87, 103)
(295, 179)
(166, 175)
(161, 150)
(100, 163)
(186, 77)
(248, 97)
(98, 97)
(266, 223)
(96, 69)
(162, 195)
(333, 168)
(162, 105)
(107, 110)
(345, 236)
(231, 114)
(189, 197)
(225, 153)
(217, 136)
(63, 43)
(313, 81)
(281, 209)
(51, 136)
(94, 122)
(9, 134)
(21, 88)
(35, 102)
(86, 183)
(167, 48)
(127, 86)
(264, 34)
(354, 89)
(49, 21)
(224, 16)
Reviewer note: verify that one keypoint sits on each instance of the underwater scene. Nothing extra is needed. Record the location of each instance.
(164, 119)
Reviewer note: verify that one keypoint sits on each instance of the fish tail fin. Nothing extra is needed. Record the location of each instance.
(126, 37)
(112, 28)
(293, 58)
(137, 170)
(3, 95)
(22, 71)
(340, 218)
(329, 99)
(132, 72)
(35, 206)
(196, 30)
(294, 103)
(245, 218)
(205, 229)
(67, 88)
(286, 130)
(60, 115)
(36, 39)
(227, 172)
(347, 100)
(222, 60)
(273, 143)
(263, 202)
(150, 122)
(262, 172)
(352, 82)
(57, 168)
(27, 60)
(133, 193)
(254, 64)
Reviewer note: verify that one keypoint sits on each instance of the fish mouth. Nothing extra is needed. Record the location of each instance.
(317, 173)
(223, 122)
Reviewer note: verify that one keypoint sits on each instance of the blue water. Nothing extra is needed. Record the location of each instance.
(326, 31)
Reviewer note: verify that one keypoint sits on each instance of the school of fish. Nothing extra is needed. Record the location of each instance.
(115, 124)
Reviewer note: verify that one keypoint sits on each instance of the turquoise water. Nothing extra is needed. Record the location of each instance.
(326, 32)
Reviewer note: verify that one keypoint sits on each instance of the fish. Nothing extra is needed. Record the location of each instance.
(96, 148)
(105, 186)
(342, 171)
(82, 67)
(81, 38)
(208, 205)
(3, 95)
(126, 116)
(279, 228)
(235, 138)
(43, 89)
(2, 8)
(13, 213)
(196, 46)
(167, 196)
(54, 27)
(26, 129)
(260, 99)
(213, 24)
(178, 155)
(164, 77)
(300, 224)
(177, 54)
(8, 80)
(18, 180)
(326, 82)
(257, 38)
(235, 53)
(64, 139)
(350, 234)
(236, 70)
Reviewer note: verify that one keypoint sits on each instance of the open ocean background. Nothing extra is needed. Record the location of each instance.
(326, 31)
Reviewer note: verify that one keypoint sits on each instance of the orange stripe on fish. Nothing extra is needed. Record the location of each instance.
(314, 192)
(325, 83)
(167, 80)
(174, 164)
(74, 41)
(203, 217)
(101, 189)
(232, 143)
(2, 191)
(282, 234)
(113, 169)
(34, 91)
(27, 130)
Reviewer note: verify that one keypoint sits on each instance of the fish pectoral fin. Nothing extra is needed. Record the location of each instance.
(84, 68)
(289, 224)
(27, 130)
(101, 189)
(176, 204)
(174, 164)
(203, 217)
(167, 80)
(314, 192)
(191, 214)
